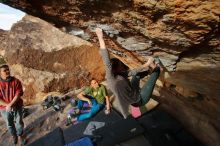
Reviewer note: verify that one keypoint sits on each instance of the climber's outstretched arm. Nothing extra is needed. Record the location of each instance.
(105, 54)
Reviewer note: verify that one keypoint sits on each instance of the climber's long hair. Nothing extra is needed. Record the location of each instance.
(118, 67)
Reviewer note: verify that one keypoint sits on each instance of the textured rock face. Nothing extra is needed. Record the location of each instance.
(184, 34)
(46, 59)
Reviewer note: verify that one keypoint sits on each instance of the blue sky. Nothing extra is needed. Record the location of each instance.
(9, 16)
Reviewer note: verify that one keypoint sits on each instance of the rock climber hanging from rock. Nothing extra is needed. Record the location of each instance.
(127, 91)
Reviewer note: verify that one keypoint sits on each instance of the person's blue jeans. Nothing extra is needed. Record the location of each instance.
(147, 90)
(96, 107)
(14, 121)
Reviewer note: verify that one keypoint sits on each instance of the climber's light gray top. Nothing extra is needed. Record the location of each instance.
(119, 85)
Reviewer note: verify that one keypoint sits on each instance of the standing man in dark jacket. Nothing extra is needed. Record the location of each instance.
(11, 103)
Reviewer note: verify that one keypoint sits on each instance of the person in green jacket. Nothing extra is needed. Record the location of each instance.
(96, 96)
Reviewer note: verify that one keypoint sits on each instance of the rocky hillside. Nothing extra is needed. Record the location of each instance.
(47, 59)
(184, 34)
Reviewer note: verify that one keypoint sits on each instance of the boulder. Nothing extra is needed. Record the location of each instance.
(46, 59)
(184, 34)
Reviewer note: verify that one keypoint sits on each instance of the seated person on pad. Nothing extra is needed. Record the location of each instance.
(96, 96)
